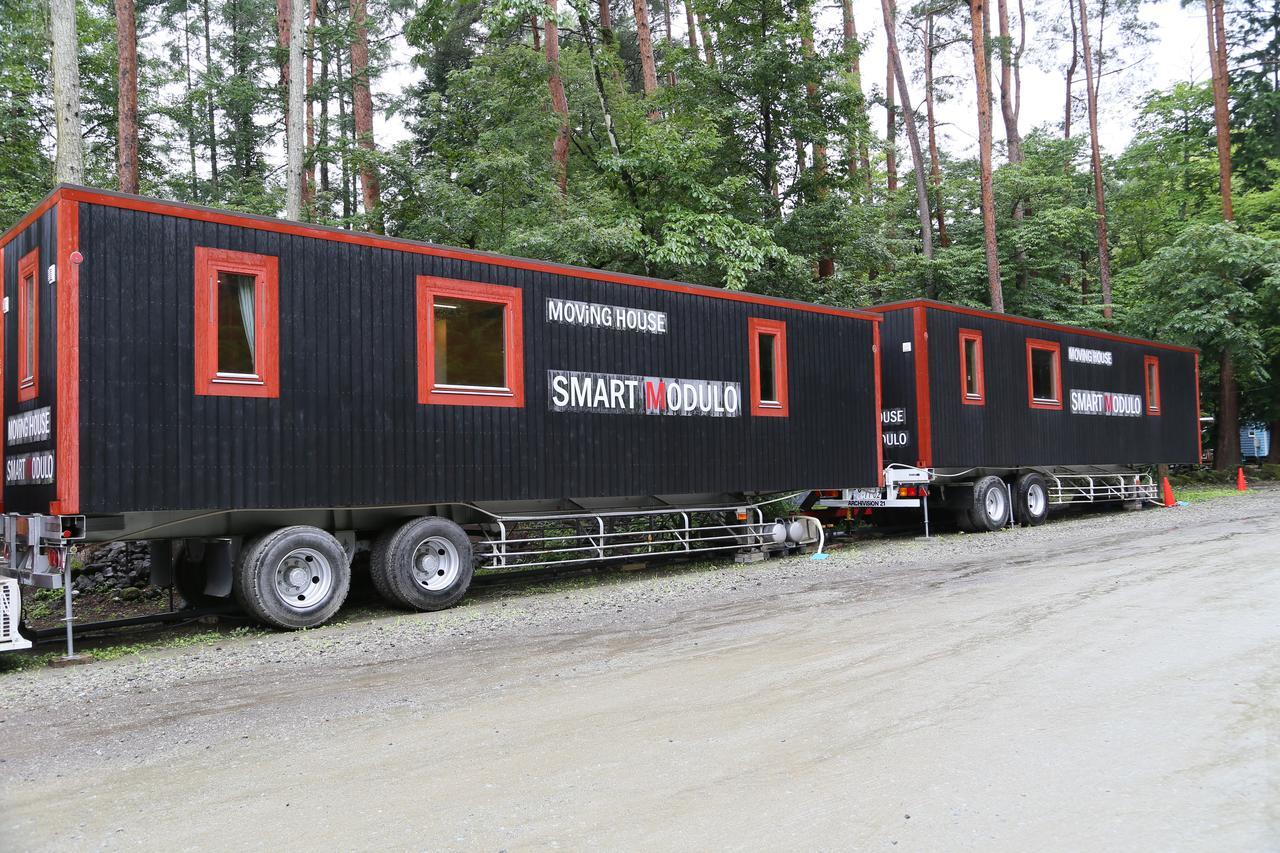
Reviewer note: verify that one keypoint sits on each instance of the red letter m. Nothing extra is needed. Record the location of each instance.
(655, 395)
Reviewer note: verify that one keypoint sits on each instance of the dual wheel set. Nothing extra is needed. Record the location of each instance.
(298, 576)
(994, 499)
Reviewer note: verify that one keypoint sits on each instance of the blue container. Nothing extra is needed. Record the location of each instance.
(1255, 441)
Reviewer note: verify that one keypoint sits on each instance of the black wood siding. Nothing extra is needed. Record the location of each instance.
(898, 387)
(347, 429)
(42, 234)
(1007, 432)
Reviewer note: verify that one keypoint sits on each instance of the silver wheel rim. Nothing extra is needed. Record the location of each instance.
(436, 564)
(304, 579)
(995, 504)
(1035, 500)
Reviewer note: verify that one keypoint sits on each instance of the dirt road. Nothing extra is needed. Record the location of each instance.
(1110, 682)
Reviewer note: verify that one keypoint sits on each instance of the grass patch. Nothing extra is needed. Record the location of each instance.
(1204, 493)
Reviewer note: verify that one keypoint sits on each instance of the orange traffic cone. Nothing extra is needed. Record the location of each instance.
(1241, 485)
(1168, 493)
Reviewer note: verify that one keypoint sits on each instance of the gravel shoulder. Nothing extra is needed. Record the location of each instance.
(926, 647)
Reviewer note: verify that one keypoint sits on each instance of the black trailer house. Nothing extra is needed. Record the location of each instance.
(259, 395)
(1007, 413)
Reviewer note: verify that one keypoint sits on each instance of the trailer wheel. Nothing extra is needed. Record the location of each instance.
(294, 577)
(1033, 500)
(425, 564)
(990, 508)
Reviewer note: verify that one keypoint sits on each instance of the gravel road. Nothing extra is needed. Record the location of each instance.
(1105, 681)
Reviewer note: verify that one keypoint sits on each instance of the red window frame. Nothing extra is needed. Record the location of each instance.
(512, 396)
(757, 326)
(1148, 362)
(1056, 348)
(265, 269)
(29, 268)
(979, 399)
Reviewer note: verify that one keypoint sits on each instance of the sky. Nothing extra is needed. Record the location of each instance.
(1178, 53)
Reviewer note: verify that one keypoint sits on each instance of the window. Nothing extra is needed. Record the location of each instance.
(768, 360)
(237, 324)
(1044, 374)
(29, 326)
(1151, 376)
(470, 343)
(972, 379)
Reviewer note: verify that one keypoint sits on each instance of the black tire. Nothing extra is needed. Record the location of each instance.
(1032, 498)
(291, 578)
(964, 520)
(425, 564)
(990, 508)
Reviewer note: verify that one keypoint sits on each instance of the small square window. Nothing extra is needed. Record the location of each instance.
(972, 378)
(1151, 381)
(1044, 374)
(470, 344)
(768, 367)
(29, 326)
(237, 324)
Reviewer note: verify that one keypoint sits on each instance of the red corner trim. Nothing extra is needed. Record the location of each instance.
(1147, 361)
(339, 235)
(979, 399)
(68, 385)
(924, 418)
(510, 297)
(1024, 321)
(875, 353)
(1056, 348)
(266, 270)
(29, 267)
(757, 326)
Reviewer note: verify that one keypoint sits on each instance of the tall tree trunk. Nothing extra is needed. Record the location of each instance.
(644, 38)
(1273, 452)
(1071, 72)
(537, 39)
(188, 100)
(692, 27)
(559, 103)
(853, 49)
(977, 14)
(1099, 201)
(935, 168)
(295, 142)
(1013, 140)
(666, 19)
(362, 112)
(584, 24)
(708, 46)
(1218, 65)
(322, 153)
(606, 22)
(309, 168)
(127, 97)
(890, 128)
(211, 141)
(69, 162)
(1226, 452)
(826, 261)
(344, 169)
(909, 122)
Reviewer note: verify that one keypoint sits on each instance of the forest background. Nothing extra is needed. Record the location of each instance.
(744, 144)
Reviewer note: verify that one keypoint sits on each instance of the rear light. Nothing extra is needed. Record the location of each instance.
(912, 491)
(829, 493)
(742, 515)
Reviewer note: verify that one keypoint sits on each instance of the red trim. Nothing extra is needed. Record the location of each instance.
(979, 399)
(1147, 361)
(875, 352)
(1056, 348)
(924, 418)
(266, 322)
(1199, 431)
(1024, 321)
(338, 235)
(29, 269)
(68, 387)
(509, 297)
(757, 326)
(41, 209)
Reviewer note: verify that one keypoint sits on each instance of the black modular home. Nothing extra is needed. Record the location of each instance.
(1060, 413)
(239, 389)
